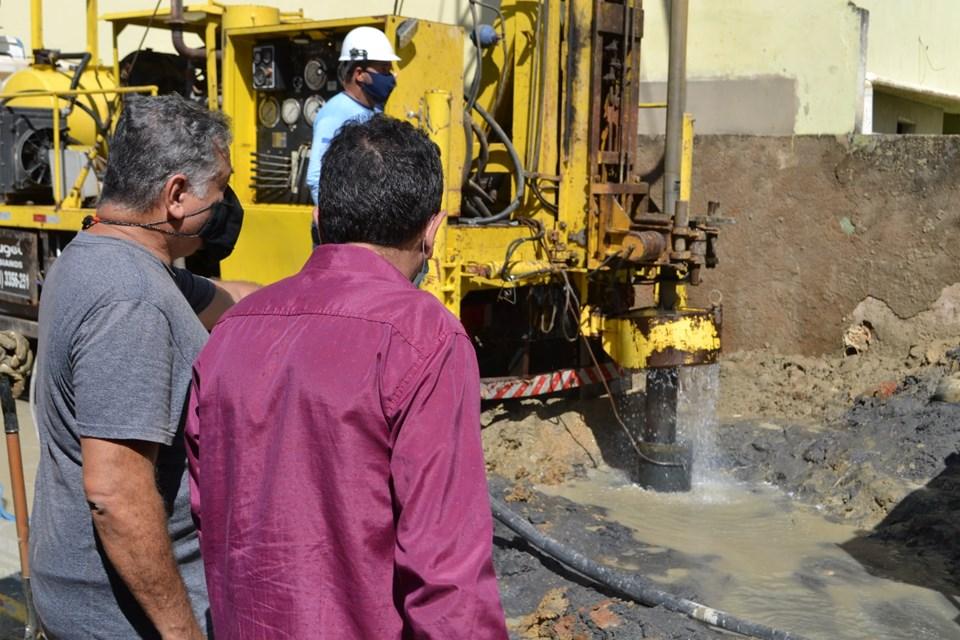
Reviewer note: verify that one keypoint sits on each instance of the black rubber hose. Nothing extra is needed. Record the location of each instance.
(628, 585)
(517, 163)
(90, 110)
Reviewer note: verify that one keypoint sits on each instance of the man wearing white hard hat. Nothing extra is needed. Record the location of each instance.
(366, 73)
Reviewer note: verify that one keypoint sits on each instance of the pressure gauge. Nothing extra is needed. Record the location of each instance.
(315, 74)
(290, 111)
(310, 108)
(268, 113)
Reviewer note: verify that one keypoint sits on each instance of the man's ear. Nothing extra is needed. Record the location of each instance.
(433, 226)
(174, 189)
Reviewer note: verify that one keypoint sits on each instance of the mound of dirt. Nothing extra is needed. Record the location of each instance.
(815, 390)
(541, 442)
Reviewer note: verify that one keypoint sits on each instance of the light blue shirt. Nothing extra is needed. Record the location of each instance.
(338, 110)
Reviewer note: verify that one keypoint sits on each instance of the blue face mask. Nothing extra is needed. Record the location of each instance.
(424, 270)
(380, 87)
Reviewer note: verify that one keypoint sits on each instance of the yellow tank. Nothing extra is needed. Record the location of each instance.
(44, 79)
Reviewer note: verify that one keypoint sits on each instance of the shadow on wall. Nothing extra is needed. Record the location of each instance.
(919, 540)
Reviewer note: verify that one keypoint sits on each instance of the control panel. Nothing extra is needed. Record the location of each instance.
(293, 79)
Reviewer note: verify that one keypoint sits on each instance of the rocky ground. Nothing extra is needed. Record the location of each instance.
(871, 438)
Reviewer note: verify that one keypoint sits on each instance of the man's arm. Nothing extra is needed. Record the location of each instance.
(125, 363)
(131, 521)
(443, 557)
(226, 294)
(210, 298)
(324, 128)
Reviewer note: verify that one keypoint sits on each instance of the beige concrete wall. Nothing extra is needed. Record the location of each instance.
(915, 43)
(803, 56)
(764, 45)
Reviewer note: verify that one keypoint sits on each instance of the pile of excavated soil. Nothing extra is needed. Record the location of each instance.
(538, 442)
(815, 390)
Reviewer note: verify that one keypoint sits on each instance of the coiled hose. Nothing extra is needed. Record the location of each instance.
(628, 585)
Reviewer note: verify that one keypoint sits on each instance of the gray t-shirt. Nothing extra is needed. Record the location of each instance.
(117, 342)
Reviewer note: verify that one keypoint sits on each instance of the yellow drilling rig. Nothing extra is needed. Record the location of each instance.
(552, 235)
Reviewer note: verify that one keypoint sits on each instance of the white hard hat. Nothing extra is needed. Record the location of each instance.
(367, 43)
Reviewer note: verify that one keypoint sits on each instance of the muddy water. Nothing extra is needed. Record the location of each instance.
(763, 557)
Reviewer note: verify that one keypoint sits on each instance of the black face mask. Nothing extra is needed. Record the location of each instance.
(221, 230)
(219, 233)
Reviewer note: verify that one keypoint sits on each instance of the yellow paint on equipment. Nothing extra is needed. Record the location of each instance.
(686, 158)
(443, 278)
(259, 255)
(236, 16)
(688, 335)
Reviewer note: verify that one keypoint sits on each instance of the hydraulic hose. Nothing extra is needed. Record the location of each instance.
(517, 163)
(631, 586)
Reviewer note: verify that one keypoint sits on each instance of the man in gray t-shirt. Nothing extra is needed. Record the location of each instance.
(113, 548)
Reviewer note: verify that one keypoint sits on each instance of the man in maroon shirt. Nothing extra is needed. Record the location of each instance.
(333, 430)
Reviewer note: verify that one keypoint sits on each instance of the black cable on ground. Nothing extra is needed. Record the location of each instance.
(628, 585)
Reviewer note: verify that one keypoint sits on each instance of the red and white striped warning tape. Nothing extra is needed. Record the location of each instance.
(502, 389)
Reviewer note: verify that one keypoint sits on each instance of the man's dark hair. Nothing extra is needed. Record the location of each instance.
(158, 137)
(380, 182)
(345, 70)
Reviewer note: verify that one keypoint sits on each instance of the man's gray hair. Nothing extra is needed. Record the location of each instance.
(159, 137)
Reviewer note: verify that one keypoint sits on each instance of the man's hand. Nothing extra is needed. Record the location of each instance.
(119, 480)
(227, 294)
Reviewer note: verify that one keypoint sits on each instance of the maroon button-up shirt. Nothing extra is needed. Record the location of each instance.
(337, 473)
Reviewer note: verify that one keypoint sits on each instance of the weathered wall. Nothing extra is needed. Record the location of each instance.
(821, 224)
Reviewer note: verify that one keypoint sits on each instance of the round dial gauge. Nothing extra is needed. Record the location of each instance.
(290, 111)
(268, 113)
(315, 74)
(310, 108)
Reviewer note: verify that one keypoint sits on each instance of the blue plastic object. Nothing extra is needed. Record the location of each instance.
(485, 35)
(4, 514)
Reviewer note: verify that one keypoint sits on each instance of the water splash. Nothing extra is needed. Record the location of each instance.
(697, 422)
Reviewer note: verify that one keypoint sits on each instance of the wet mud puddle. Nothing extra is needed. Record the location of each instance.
(763, 557)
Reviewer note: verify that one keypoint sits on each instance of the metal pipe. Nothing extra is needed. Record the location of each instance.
(660, 405)
(11, 427)
(211, 52)
(93, 45)
(686, 163)
(676, 103)
(147, 88)
(36, 24)
(57, 155)
(176, 23)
